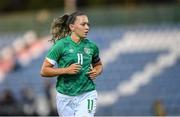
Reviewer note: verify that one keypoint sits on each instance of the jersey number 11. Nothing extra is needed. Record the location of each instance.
(80, 58)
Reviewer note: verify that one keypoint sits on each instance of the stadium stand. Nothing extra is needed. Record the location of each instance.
(140, 71)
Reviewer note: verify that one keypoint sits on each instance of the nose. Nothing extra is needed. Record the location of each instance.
(87, 27)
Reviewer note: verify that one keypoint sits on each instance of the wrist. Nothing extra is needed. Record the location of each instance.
(66, 70)
(62, 71)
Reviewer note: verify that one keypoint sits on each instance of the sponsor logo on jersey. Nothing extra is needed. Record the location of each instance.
(87, 50)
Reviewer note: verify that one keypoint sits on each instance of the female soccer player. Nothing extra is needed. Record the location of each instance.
(78, 64)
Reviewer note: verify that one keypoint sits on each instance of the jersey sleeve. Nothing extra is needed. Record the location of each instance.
(55, 53)
(95, 57)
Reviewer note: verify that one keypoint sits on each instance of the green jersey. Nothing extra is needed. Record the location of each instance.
(66, 52)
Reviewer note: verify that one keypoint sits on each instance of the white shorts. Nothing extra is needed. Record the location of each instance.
(74, 106)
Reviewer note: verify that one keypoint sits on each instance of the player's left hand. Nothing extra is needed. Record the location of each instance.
(92, 73)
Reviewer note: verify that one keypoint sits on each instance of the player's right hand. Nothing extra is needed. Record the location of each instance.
(73, 68)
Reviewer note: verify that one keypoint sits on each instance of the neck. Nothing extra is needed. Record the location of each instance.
(75, 38)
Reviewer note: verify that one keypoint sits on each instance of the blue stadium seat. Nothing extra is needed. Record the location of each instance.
(164, 86)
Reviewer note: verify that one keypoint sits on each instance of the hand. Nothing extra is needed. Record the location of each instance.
(73, 68)
(92, 73)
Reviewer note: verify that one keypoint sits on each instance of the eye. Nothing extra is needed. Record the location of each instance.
(83, 24)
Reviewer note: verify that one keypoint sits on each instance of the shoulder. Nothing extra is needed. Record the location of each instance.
(91, 43)
(61, 42)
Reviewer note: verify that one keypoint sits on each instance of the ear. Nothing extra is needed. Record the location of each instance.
(71, 26)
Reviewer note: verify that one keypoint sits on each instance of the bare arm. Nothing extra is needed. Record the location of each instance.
(96, 70)
(48, 70)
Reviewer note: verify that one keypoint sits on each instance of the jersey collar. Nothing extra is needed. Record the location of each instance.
(74, 43)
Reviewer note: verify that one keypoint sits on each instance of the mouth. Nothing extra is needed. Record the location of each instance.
(86, 33)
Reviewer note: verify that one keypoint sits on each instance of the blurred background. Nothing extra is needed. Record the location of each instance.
(139, 43)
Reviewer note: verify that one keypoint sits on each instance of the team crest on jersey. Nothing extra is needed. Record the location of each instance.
(87, 50)
(71, 50)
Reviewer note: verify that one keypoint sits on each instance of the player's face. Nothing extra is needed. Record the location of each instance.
(81, 26)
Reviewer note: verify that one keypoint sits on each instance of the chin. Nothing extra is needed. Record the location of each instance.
(83, 37)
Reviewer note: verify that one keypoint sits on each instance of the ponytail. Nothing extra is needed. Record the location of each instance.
(59, 28)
